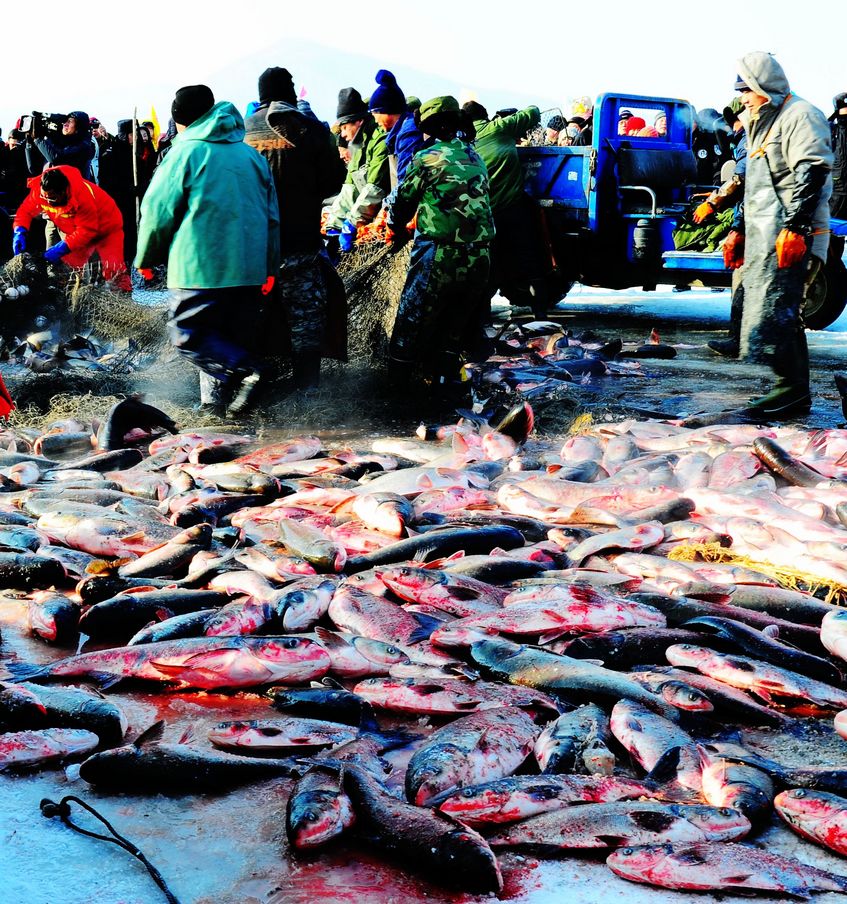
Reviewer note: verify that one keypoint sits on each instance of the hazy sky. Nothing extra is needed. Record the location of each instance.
(105, 58)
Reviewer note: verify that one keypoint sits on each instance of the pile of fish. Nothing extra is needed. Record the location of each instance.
(467, 645)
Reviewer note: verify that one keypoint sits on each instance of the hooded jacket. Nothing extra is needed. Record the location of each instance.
(791, 132)
(76, 150)
(306, 168)
(211, 212)
(89, 214)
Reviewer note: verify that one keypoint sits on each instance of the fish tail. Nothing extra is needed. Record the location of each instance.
(27, 671)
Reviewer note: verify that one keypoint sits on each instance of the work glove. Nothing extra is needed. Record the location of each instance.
(146, 274)
(348, 236)
(702, 212)
(56, 253)
(809, 184)
(790, 248)
(268, 285)
(733, 250)
(19, 240)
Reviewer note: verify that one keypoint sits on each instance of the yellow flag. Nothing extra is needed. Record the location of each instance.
(156, 130)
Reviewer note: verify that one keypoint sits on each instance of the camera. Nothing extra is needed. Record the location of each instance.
(38, 124)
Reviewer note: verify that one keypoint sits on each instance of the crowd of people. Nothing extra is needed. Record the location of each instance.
(248, 215)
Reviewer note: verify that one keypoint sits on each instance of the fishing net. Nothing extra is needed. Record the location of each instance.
(373, 279)
(785, 575)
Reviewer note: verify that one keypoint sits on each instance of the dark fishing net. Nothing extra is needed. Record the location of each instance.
(373, 278)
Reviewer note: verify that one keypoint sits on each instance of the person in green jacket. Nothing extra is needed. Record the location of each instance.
(520, 264)
(211, 215)
(446, 189)
(368, 173)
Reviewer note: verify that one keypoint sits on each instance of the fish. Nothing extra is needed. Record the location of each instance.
(385, 512)
(25, 706)
(650, 738)
(576, 742)
(521, 796)
(472, 749)
(353, 656)
(36, 748)
(759, 645)
(206, 663)
(27, 571)
(611, 825)
(441, 848)
(291, 732)
(641, 536)
(363, 613)
(625, 648)
(560, 676)
(311, 544)
(737, 785)
(454, 593)
(677, 692)
(126, 417)
(834, 633)
(815, 815)
(53, 616)
(331, 703)
(121, 616)
(447, 696)
(768, 682)
(172, 556)
(716, 866)
(151, 766)
(191, 624)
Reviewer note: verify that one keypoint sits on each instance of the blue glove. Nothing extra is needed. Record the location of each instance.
(348, 236)
(56, 253)
(19, 240)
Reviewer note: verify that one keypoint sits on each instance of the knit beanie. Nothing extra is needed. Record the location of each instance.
(124, 127)
(387, 98)
(190, 103)
(276, 83)
(350, 106)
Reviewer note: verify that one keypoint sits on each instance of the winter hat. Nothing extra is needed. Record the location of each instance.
(577, 121)
(437, 105)
(740, 84)
(276, 83)
(556, 123)
(413, 103)
(350, 106)
(83, 123)
(475, 110)
(839, 101)
(731, 111)
(124, 127)
(190, 103)
(387, 98)
(634, 124)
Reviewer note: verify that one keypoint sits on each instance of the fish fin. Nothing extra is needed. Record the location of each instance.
(666, 768)
(464, 593)
(651, 821)
(26, 671)
(420, 554)
(427, 689)
(151, 734)
(391, 740)
(83, 640)
(187, 736)
(735, 880)
(427, 626)
(105, 680)
(163, 614)
(330, 639)
(610, 841)
(687, 857)
(550, 636)
(367, 719)
(101, 566)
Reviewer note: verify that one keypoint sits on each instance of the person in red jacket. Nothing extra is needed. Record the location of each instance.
(87, 218)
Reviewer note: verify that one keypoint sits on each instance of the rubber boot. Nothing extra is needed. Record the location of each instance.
(214, 395)
(790, 396)
(248, 394)
(307, 370)
(731, 346)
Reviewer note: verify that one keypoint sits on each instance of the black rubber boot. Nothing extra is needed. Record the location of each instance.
(790, 396)
(248, 395)
(731, 346)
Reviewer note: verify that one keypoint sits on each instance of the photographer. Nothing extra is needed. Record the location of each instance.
(88, 221)
(70, 146)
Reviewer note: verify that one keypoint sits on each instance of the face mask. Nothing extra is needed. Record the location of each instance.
(572, 132)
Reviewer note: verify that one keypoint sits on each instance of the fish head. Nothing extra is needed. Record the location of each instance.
(454, 635)
(496, 654)
(379, 652)
(682, 696)
(806, 809)
(463, 852)
(241, 734)
(833, 631)
(638, 863)
(682, 654)
(316, 816)
(476, 803)
(438, 768)
(407, 581)
(301, 608)
(718, 823)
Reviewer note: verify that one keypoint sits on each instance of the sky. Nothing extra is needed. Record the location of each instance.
(108, 59)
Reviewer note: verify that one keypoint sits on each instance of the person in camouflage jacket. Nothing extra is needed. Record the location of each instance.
(446, 191)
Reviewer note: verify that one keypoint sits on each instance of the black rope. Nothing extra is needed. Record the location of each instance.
(50, 808)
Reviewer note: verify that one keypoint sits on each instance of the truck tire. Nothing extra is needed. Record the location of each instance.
(827, 296)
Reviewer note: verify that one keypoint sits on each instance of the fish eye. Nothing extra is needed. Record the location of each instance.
(798, 793)
(310, 816)
(725, 811)
(392, 651)
(290, 643)
(626, 852)
(467, 792)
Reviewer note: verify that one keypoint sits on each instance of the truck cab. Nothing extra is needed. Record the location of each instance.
(611, 208)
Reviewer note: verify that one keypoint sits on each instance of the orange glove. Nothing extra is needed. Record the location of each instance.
(388, 236)
(790, 249)
(146, 274)
(702, 212)
(268, 285)
(733, 250)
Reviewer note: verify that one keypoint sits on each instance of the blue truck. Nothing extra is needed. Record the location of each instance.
(610, 209)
